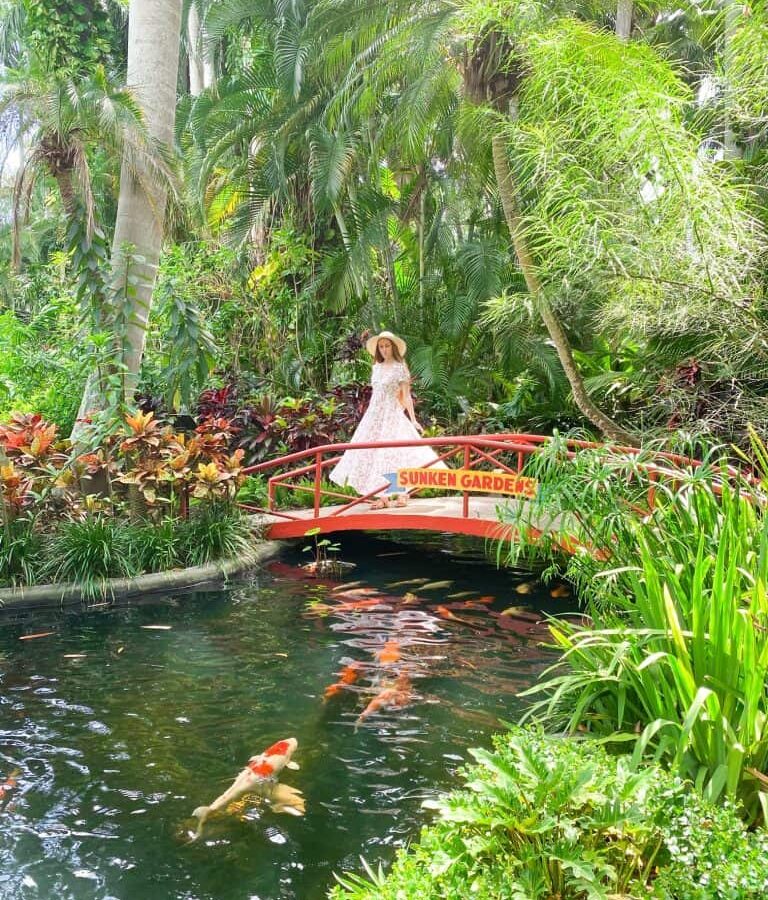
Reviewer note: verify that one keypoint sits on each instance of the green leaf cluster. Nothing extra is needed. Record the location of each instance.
(543, 817)
(69, 35)
(675, 657)
(100, 546)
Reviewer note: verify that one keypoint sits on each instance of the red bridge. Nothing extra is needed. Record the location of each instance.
(300, 477)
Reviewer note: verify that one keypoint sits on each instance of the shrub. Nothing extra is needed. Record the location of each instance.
(155, 546)
(19, 552)
(89, 551)
(545, 817)
(40, 374)
(213, 532)
(254, 491)
(268, 427)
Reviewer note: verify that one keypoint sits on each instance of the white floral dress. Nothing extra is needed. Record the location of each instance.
(384, 420)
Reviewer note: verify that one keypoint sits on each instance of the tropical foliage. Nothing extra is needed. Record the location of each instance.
(672, 657)
(365, 166)
(545, 817)
(562, 208)
(149, 499)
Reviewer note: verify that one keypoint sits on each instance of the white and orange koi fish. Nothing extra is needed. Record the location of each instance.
(259, 778)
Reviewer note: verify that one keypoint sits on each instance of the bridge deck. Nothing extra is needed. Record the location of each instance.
(433, 514)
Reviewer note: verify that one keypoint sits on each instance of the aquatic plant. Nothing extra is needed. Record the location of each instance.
(673, 567)
(543, 817)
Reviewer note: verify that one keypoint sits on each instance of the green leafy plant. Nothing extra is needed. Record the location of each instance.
(675, 657)
(20, 551)
(88, 552)
(324, 550)
(253, 491)
(214, 531)
(542, 817)
(155, 546)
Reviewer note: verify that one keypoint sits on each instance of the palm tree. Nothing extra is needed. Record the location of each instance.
(624, 14)
(154, 31)
(432, 42)
(62, 121)
(589, 211)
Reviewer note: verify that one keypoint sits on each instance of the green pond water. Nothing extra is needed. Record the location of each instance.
(119, 731)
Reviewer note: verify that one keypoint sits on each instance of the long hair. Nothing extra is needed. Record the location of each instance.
(395, 352)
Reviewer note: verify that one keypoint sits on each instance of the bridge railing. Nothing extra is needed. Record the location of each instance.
(503, 452)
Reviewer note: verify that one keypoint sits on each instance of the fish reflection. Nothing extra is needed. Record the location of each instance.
(391, 695)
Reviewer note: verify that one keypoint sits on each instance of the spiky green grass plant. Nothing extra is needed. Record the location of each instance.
(19, 552)
(155, 546)
(674, 659)
(214, 532)
(88, 552)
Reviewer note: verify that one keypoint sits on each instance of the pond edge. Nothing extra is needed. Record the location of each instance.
(42, 596)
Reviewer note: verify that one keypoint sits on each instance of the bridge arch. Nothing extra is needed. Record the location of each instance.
(462, 513)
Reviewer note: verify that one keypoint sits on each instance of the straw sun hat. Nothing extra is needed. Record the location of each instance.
(372, 342)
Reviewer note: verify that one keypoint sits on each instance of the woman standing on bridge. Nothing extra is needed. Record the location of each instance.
(389, 417)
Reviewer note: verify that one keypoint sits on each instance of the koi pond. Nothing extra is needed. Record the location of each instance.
(115, 725)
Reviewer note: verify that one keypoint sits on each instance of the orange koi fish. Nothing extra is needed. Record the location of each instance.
(332, 690)
(393, 695)
(526, 588)
(389, 653)
(8, 786)
(561, 590)
(259, 777)
(353, 605)
(446, 613)
(348, 675)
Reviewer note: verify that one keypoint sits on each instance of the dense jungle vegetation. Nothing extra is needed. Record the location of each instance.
(563, 208)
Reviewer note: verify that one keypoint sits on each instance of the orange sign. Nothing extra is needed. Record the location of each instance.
(468, 480)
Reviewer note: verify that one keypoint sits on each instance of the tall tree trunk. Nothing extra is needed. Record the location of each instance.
(624, 12)
(194, 40)
(508, 194)
(209, 71)
(66, 191)
(154, 32)
(153, 67)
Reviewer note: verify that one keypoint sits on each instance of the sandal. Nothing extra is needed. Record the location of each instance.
(400, 500)
(379, 503)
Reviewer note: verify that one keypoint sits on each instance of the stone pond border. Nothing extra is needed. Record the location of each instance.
(46, 596)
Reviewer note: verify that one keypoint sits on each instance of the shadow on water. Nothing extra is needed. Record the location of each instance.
(120, 723)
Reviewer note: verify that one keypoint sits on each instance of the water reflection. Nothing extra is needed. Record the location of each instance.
(119, 731)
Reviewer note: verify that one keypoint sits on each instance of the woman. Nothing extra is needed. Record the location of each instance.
(385, 420)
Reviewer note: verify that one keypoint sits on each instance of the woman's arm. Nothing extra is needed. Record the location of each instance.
(406, 400)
